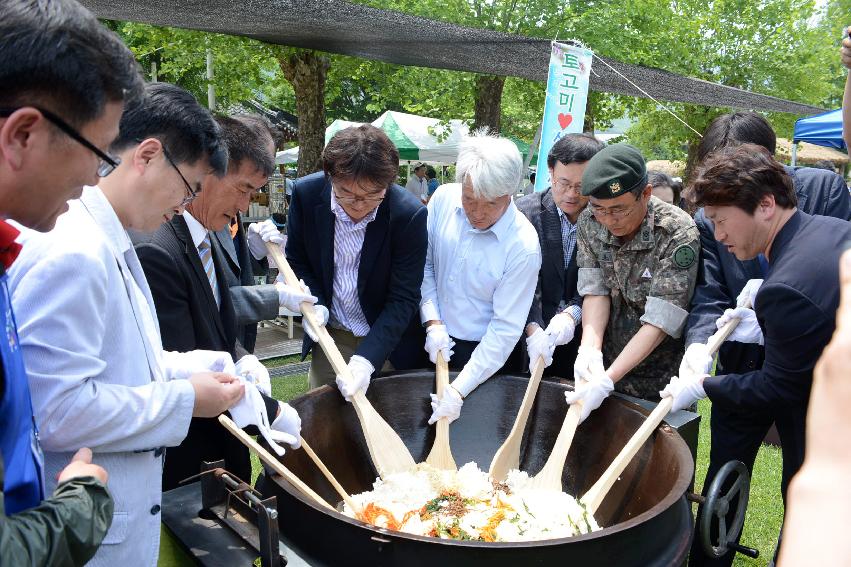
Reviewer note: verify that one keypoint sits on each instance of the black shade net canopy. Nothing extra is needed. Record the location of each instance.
(350, 29)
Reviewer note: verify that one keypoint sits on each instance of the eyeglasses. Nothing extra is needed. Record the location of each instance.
(615, 212)
(563, 185)
(107, 163)
(190, 194)
(352, 199)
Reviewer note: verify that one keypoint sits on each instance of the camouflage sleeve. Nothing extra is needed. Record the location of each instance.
(590, 280)
(673, 283)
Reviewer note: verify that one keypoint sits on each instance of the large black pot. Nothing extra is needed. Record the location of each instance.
(647, 520)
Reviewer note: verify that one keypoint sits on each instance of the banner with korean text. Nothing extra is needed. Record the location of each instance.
(567, 97)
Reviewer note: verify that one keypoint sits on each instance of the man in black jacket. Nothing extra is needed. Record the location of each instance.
(186, 269)
(722, 276)
(556, 310)
(359, 242)
(752, 203)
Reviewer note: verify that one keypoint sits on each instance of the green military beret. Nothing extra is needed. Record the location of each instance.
(613, 171)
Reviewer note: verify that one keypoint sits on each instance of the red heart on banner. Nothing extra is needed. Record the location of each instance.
(564, 120)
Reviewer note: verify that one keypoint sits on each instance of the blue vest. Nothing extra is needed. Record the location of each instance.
(23, 485)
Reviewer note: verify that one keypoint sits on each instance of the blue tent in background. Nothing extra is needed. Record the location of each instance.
(823, 129)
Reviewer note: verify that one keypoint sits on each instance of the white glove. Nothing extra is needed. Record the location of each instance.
(696, 361)
(561, 329)
(250, 369)
(361, 369)
(449, 406)
(589, 362)
(251, 410)
(181, 365)
(322, 314)
(259, 233)
(748, 296)
(685, 390)
(291, 298)
(538, 345)
(747, 331)
(437, 339)
(288, 422)
(591, 393)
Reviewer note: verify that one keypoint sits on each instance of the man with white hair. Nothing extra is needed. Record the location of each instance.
(481, 268)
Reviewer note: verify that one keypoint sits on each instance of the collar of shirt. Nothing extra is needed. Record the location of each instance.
(500, 228)
(564, 218)
(344, 217)
(99, 206)
(196, 229)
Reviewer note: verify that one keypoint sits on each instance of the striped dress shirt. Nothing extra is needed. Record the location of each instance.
(568, 241)
(345, 309)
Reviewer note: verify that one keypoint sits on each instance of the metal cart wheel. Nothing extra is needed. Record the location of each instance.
(717, 507)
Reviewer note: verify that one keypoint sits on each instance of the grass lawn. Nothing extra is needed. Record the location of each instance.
(765, 508)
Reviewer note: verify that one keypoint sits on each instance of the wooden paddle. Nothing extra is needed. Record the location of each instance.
(507, 457)
(441, 454)
(270, 460)
(387, 450)
(549, 478)
(597, 493)
(337, 486)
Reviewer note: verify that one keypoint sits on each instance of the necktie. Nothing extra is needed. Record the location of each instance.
(206, 254)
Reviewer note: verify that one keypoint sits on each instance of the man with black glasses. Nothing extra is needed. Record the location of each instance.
(637, 270)
(58, 65)
(185, 267)
(359, 242)
(97, 370)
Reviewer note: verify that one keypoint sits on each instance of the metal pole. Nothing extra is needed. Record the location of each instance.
(211, 90)
(533, 148)
(154, 72)
(794, 153)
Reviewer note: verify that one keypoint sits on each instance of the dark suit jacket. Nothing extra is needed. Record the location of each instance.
(541, 211)
(721, 276)
(251, 303)
(189, 319)
(796, 309)
(391, 267)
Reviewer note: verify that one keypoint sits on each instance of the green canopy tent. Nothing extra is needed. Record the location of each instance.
(418, 138)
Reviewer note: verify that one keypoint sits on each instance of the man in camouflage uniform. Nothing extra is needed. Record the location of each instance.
(637, 272)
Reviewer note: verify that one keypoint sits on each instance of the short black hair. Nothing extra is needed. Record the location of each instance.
(660, 178)
(248, 137)
(431, 173)
(55, 54)
(736, 128)
(573, 148)
(170, 114)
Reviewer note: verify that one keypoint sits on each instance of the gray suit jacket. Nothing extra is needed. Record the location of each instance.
(251, 303)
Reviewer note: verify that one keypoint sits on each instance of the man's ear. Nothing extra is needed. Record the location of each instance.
(766, 206)
(147, 150)
(20, 134)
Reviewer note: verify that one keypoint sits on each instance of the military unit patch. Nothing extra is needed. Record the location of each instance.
(684, 256)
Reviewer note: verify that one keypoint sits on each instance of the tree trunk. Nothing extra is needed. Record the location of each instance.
(306, 70)
(488, 105)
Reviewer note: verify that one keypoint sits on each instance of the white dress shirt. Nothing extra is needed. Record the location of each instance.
(418, 187)
(480, 283)
(92, 349)
(346, 312)
(198, 232)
